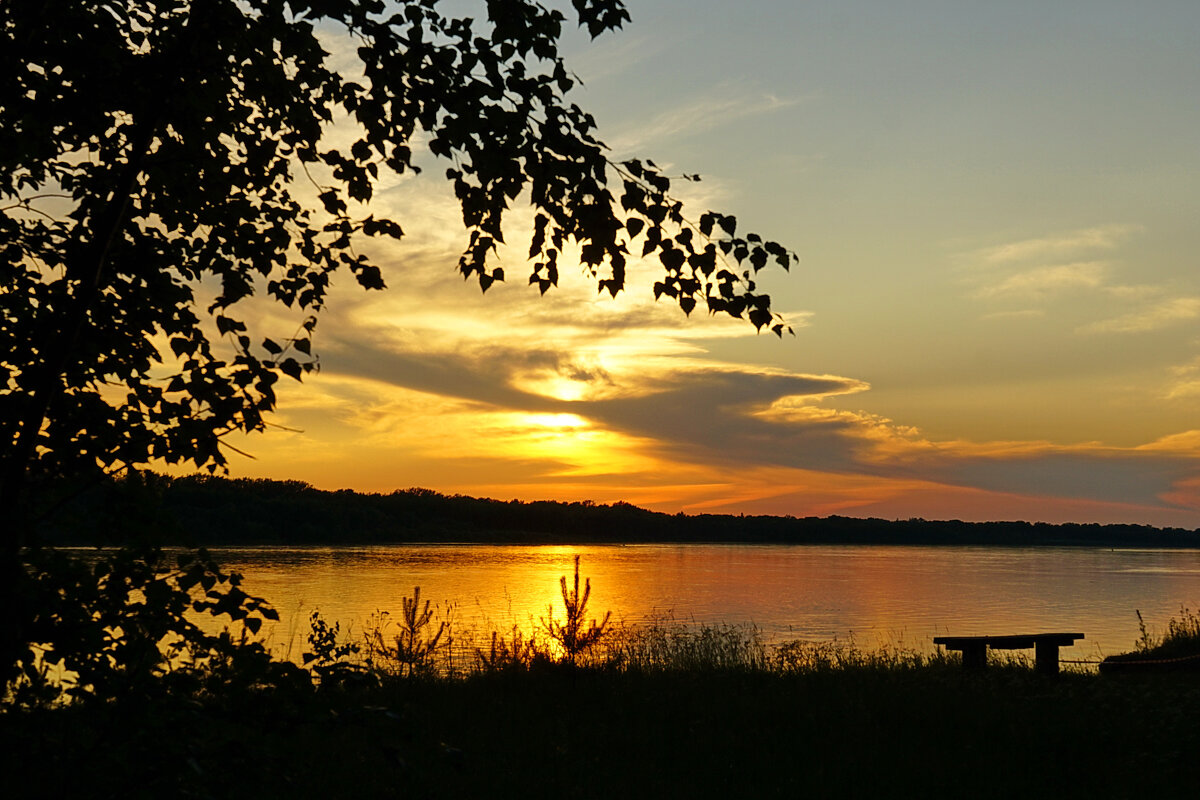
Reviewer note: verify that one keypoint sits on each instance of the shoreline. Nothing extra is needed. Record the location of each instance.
(220, 512)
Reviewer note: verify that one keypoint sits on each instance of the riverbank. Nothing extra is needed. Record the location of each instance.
(880, 731)
(213, 511)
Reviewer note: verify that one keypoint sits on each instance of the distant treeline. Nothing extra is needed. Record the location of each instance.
(210, 511)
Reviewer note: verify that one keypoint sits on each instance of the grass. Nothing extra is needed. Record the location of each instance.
(1176, 649)
(1180, 639)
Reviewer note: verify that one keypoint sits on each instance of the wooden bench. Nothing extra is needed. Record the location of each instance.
(1045, 648)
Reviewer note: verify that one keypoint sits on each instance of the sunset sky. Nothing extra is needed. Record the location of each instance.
(997, 309)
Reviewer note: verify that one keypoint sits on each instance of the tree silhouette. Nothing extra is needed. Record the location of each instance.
(157, 152)
(149, 148)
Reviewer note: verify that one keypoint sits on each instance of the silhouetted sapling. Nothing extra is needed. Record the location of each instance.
(574, 636)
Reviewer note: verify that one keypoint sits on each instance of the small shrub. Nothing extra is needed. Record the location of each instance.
(574, 635)
(328, 658)
(414, 648)
(516, 653)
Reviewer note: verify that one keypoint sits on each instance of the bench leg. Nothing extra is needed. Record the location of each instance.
(974, 655)
(1045, 658)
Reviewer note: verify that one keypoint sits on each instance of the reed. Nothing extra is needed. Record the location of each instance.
(1181, 638)
(665, 645)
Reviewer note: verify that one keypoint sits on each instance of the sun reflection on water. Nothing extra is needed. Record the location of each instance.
(816, 593)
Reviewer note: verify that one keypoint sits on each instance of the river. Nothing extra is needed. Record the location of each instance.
(895, 595)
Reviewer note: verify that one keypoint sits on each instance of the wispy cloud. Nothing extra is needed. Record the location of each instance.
(1150, 318)
(1186, 443)
(726, 105)
(1185, 381)
(1041, 281)
(1025, 313)
(1061, 246)
(1068, 265)
(1182, 389)
(1134, 293)
(610, 57)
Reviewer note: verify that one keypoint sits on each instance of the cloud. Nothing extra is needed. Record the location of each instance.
(1186, 494)
(804, 493)
(1186, 443)
(689, 432)
(633, 368)
(1144, 477)
(1186, 381)
(1139, 292)
(1059, 246)
(644, 396)
(1044, 280)
(611, 57)
(1153, 317)
(1182, 389)
(727, 104)
(482, 375)
(1036, 269)
(713, 416)
(680, 403)
(1026, 313)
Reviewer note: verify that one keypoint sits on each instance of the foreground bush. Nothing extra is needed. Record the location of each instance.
(127, 622)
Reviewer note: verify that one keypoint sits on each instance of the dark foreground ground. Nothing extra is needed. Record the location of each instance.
(559, 733)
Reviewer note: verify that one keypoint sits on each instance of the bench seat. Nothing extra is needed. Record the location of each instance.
(1045, 647)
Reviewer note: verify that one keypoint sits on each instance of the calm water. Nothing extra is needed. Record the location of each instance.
(877, 594)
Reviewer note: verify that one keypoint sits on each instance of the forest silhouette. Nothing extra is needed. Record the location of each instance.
(212, 510)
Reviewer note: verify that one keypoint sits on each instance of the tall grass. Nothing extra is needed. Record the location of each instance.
(1181, 637)
(664, 645)
(656, 646)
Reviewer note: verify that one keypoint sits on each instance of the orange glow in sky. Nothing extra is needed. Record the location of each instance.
(997, 310)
